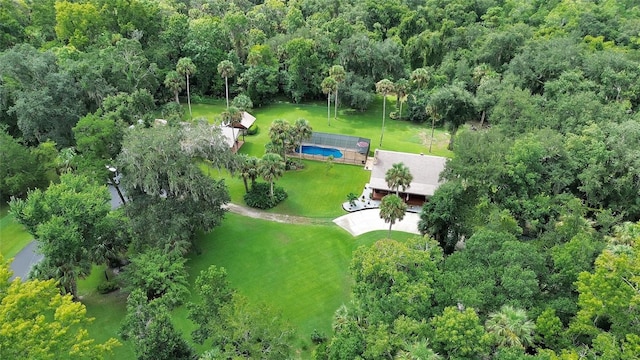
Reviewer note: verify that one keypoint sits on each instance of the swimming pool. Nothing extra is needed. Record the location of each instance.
(317, 150)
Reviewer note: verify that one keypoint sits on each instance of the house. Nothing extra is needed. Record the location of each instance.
(425, 170)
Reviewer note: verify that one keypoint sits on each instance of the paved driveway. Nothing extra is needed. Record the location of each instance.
(364, 221)
(24, 260)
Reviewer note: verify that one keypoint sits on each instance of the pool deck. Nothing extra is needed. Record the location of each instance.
(349, 156)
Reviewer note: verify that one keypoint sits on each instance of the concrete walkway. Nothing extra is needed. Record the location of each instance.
(364, 221)
(356, 223)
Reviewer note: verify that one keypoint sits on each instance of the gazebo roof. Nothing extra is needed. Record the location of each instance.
(247, 120)
(425, 170)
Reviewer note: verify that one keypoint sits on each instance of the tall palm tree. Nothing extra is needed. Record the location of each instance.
(248, 170)
(280, 135)
(402, 86)
(226, 70)
(420, 78)
(511, 327)
(398, 176)
(338, 74)
(271, 167)
(231, 117)
(384, 87)
(186, 68)
(301, 131)
(174, 82)
(392, 209)
(329, 86)
(432, 111)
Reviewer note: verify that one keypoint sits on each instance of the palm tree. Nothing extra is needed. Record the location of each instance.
(384, 87)
(174, 82)
(511, 327)
(338, 74)
(433, 113)
(280, 134)
(248, 169)
(402, 86)
(271, 167)
(419, 350)
(420, 78)
(301, 131)
(329, 85)
(341, 318)
(392, 209)
(187, 68)
(232, 116)
(226, 70)
(398, 176)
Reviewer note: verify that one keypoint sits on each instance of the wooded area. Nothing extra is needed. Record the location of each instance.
(531, 247)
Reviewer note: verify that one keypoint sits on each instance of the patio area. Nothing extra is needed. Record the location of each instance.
(365, 201)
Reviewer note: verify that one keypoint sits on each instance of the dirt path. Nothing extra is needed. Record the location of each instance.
(281, 218)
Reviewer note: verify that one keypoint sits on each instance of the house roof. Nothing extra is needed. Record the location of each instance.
(425, 170)
(247, 120)
(228, 134)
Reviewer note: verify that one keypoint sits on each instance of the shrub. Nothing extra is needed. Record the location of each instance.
(318, 337)
(172, 112)
(108, 286)
(294, 164)
(259, 197)
(252, 130)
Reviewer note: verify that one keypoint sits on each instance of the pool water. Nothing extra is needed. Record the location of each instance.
(317, 150)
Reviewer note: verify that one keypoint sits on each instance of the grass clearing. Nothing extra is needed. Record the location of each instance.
(398, 135)
(301, 271)
(313, 191)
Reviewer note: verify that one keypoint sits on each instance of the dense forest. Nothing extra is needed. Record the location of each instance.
(532, 243)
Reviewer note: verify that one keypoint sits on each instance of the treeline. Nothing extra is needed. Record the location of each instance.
(524, 64)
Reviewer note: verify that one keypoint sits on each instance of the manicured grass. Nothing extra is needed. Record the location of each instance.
(316, 192)
(313, 191)
(398, 135)
(108, 311)
(13, 236)
(300, 270)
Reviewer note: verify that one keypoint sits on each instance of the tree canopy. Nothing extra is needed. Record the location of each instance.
(537, 209)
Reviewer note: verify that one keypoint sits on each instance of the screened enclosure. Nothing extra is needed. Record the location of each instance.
(343, 148)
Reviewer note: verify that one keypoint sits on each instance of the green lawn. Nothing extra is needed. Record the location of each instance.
(13, 236)
(107, 310)
(398, 135)
(300, 271)
(313, 192)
